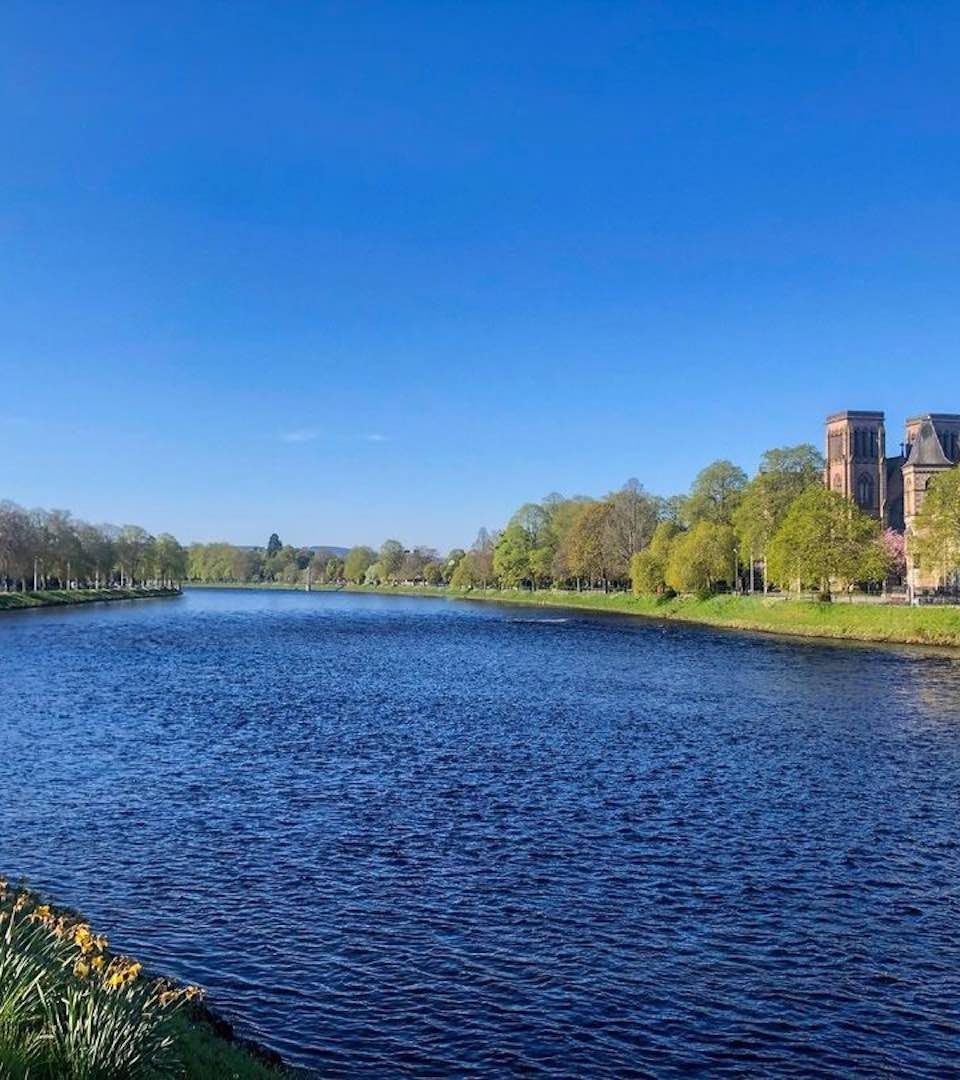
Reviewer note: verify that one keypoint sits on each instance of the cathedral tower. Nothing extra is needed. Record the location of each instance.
(856, 460)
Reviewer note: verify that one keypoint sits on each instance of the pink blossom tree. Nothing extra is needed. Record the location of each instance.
(894, 548)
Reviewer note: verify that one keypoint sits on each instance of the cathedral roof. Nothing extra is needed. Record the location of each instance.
(926, 448)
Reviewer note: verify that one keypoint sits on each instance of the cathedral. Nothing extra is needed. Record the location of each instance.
(890, 488)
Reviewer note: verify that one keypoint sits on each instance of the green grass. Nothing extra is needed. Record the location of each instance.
(72, 1009)
(203, 1053)
(899, 624)
(17, 601)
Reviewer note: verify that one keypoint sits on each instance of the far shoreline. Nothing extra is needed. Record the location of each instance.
(882, 624)
(47, 598)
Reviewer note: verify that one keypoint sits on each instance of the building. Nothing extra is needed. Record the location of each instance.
(890, 488)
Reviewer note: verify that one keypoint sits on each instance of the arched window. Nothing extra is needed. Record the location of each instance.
(865, 492)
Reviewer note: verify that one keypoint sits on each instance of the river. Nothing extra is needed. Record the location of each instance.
(402, 836)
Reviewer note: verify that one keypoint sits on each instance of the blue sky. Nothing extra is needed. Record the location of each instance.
(349, 270)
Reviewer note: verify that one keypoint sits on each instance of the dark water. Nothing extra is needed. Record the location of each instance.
(419, 837)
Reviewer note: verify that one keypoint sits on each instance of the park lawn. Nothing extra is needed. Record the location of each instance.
(16, 601)
(926, 625)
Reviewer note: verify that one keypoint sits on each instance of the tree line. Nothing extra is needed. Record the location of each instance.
(781, 529)
(50, 549)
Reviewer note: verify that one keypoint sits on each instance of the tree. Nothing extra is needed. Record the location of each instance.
(414, 562)
(825, 538)
(333, 569)
(648, 568)
(702, 559)
(895, 550)
(357, 562)
(132, 546)
(589, 552)
(170, 559)
(563, 519)
(99, 552)
(715, 494)
(273, 545)
(511, 556)
(935, 538)
(390, 559)
(629, 525)
(540, 561)
(465, 574)
(449, 565)
(524, 547)
(672, 508)
(18, 543)
(794, 467)
(434, 573)
(784, 474)
(481, 554)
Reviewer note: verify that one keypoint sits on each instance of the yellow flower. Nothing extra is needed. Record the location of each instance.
(122, 972)
(97, 963)
(81, 969)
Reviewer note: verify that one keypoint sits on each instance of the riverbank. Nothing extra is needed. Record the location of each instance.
(889, 623)
(19, 601)
(72, 1007)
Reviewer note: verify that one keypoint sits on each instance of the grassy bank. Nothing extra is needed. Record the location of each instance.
(72, 1008)
(799, 618)
(17, 601)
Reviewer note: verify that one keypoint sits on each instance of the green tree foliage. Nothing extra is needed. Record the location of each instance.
(648, 568)
(390, 559)
(589, 551)
(936, 536)
(273, 545)
(169, 559)
(474, 568)
(715, 494)
(702, 559)
(357, 562)
(449, 565)
(511, 557)
(825, 538)
(783, 476)
(465, 575)
(524, 547)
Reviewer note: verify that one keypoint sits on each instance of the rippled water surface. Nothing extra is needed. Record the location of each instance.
(434, 838)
